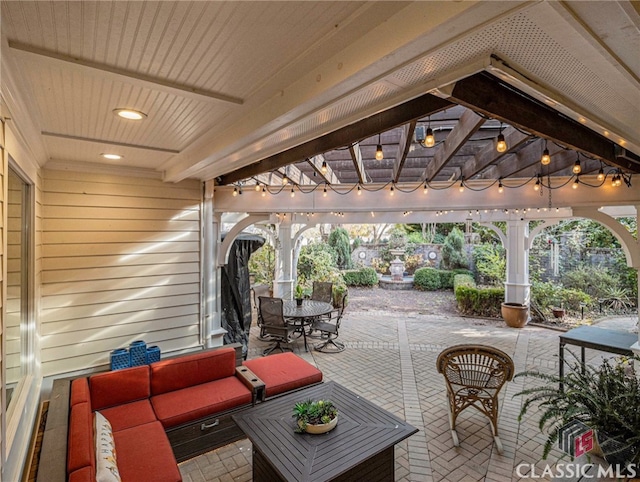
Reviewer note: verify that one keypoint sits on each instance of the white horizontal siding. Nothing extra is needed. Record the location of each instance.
(120, 262)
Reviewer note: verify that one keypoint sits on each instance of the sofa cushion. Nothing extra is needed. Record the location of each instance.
(85, 474)
(144, 454)
(80, 391)
(181, 406)
(117, 387)
(81, 447)
(189, 370)
(129, 415)
(283, 372)
(106, 459)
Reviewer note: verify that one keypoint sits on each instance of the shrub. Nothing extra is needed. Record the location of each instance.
(339, 241)
(589, 279)
(361, 277)
(491, 263)
(573, 299)
(453, 255)
(317, 263)
(262, 264)
(548, 295)
(380, 265)
(412, 262)
(446, 277)
(545, 295)
(479, 301)
(427, 279)
(460, 280)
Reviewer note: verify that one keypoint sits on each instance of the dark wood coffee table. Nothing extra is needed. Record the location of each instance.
(359, 448)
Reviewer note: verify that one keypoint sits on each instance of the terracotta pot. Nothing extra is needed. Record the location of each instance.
(516, 315)
(558, 312)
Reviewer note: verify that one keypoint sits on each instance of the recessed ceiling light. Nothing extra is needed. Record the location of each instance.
(130, 114)
(111, 156)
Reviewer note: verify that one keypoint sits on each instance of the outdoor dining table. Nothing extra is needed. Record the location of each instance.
(304, 314)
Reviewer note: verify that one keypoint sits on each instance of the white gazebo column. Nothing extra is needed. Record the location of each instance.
(636, 346)
(517, 287)
(283, 284)
(211, 327)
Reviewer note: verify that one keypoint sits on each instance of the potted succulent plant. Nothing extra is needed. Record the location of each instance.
(605, 398)
(319, 416)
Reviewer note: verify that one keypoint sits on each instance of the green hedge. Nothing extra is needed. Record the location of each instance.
(361, 277)
(431, 279)
(477, 301)
(427, 279)
(463, 280)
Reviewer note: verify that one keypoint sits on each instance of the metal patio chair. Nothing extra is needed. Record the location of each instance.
(322, 291)
(474, 375)
(329, 327)
(274, 324)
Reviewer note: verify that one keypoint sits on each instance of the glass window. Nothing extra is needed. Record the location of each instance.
(17, 314)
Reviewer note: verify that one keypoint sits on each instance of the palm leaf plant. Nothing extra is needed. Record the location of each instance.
(606, 398)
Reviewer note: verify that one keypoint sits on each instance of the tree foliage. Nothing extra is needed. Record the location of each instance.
(453, 254)
(339, 241)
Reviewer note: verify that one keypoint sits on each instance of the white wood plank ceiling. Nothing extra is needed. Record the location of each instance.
(226, 84)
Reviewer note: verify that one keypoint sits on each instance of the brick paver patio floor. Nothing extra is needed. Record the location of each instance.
(390, 359)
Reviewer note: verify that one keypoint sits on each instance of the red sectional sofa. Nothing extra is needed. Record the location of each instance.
(161, 413)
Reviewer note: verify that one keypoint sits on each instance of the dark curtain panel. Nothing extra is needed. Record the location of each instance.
(235, 290)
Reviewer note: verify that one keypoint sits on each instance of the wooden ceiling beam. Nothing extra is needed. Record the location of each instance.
(484, 93)
(404, 144)
(414, 109)
(356, 156)
(316, 163)
(295, 175)
(524, 162)
(488, 155)
(469, 123)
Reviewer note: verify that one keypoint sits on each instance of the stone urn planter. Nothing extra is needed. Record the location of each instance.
(516, 315)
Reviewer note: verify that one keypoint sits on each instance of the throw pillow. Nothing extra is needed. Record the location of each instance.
(106, 465)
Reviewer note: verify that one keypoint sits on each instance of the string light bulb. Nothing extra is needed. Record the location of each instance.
(500, 187)
(425, 188)
(324, 167)
(264, 191)
(391, 191)
(501, 144)
(576, 183)
(545, 160)
(285, 180)
(324, 192)
(257, 186)
(429, 139)
(235, 191)
(461, 188)
(293, 193)
(359, 190)
(601, 174)
(577, 169)
(536, 186)
(379, 153)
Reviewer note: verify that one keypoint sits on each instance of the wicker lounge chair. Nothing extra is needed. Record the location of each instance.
(474, 375)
